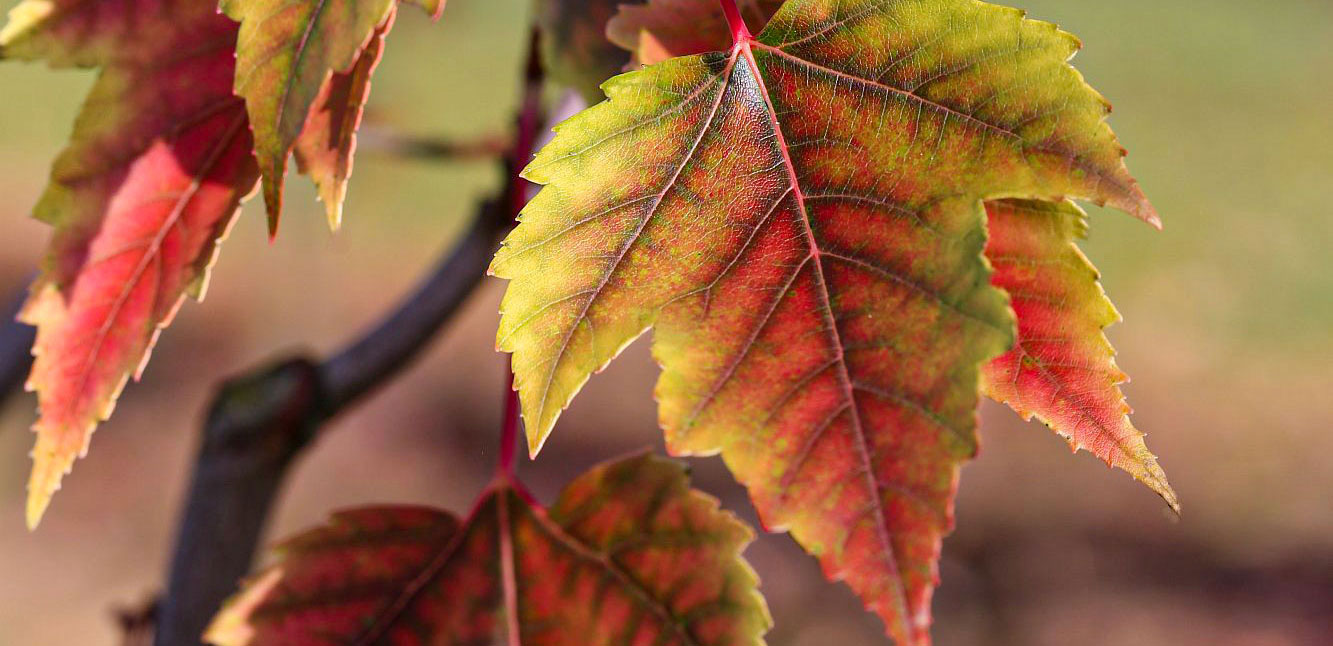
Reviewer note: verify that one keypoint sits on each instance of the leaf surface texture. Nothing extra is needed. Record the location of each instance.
(1037, 261)
(800, 219)
(1061, 368)
(629, 554)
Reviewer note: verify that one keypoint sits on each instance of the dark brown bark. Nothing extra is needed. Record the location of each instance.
(259, 423)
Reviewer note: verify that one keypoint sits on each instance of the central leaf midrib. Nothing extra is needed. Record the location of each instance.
(152, 253)
(298, 56)
(835, 338)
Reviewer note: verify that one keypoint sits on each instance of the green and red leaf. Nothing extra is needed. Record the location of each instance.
(629, 554)
(1061, 368)
(325, 147)
(289, 55)
(161, 124)
(1087, 409)
(800, 219)
(157, 165)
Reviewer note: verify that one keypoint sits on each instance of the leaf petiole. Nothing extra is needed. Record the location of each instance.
(739, 32)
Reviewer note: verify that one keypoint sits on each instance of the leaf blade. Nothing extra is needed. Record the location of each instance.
(824, 251)
(1061, 369)
(608, 553)
(653, 31)
(326, 145)
(281, 67)
(156, 168)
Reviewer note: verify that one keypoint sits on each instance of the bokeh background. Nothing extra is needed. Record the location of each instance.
(1227, 108)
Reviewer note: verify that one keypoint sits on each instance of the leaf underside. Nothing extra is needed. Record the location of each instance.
(324, 149)
(800, 220)
(285, 53)
(660, 29)
(628, 555)
(308, 60)
(160, 158)
(156, 167)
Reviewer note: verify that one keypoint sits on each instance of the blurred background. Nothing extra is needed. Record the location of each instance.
(1227, 108)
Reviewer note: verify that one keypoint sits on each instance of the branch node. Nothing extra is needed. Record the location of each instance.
(274, 410)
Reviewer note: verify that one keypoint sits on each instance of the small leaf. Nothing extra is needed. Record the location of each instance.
(628, 555)
(324, 149)
(1061, 368)
(157, 165)
(575, 49)
(800, 219)
(285, 55)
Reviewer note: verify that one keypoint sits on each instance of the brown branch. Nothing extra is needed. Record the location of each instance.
(381, 141)
(137, 623)
(259, 423)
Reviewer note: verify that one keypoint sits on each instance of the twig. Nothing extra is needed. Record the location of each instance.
(136, 623)
(529, 117)
(371, 360)
(259, 423)
(739, 32)
(15, 347)
(380, 141)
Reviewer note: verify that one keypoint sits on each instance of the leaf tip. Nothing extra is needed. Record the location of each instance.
(50, 464)
(1156, 480)
(334, 211)
(433, 8)
(535, 443)
(1153, 219)
(39, 498)
(36, 509)
(1142, 209)
(231, 625)
(273, 203)
(1173, 503)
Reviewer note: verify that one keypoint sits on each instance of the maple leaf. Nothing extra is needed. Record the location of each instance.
(1061, 368)
(156, 167)
(288, 56)
(574, 47)
(324, 149)
(1076, 395)
(629, 554)
(800, 218)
